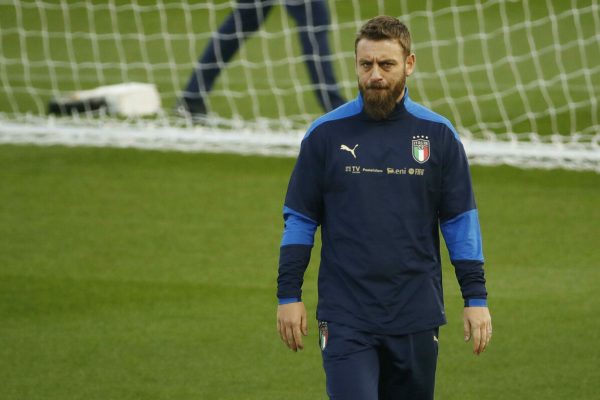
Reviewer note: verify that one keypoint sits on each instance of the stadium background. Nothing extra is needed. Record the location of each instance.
(135, 274)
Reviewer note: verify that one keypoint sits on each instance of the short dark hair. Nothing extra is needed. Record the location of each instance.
(385, 28)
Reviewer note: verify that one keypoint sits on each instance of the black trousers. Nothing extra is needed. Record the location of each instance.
(365, 366)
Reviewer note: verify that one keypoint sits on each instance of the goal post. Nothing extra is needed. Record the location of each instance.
(519, 79)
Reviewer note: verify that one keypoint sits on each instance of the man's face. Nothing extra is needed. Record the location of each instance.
(382, 69)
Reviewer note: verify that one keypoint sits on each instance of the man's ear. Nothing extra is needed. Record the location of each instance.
(410, 63)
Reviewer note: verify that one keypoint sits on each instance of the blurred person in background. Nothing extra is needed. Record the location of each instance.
(312, 19)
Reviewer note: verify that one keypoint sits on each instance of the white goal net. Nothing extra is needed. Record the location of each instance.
(519, 79)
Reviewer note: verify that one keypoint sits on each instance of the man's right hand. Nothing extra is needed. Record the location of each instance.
(292, 324)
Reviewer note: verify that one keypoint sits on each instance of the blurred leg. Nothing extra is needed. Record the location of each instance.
(241, 23)
(312, 18)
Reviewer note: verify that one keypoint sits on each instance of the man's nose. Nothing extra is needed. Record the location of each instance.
(376, 74)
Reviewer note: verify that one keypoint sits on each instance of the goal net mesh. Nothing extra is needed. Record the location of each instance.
(519, 79)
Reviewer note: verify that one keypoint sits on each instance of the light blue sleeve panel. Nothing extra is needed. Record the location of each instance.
(289, 300)
(422, 112)
(348, 109)
(463, 236)
(299, 229)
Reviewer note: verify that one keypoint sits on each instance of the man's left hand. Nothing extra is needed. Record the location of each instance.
(477, 325)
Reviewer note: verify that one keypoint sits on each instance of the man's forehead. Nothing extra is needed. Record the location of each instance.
(387, 48)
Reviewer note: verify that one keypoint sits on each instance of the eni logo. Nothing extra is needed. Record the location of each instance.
(348, 149)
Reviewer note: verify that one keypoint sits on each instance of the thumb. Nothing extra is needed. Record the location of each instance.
(466, 329)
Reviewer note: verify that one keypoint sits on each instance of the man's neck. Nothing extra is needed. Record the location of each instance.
(401, 95)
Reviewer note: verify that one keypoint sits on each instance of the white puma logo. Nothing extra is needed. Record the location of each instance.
(346, 148)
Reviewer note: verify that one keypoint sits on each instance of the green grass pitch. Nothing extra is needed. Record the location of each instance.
(146, 275)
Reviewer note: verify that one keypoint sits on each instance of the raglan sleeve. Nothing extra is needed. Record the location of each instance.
(302, 212)
(459, 223)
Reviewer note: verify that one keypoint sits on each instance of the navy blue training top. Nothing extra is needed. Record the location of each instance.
(380, 190)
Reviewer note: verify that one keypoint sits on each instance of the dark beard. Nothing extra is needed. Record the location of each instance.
(379, 100)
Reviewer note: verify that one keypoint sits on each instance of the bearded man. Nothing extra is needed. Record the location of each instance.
(381, 175)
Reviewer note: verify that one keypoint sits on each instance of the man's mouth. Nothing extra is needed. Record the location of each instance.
(377, 87)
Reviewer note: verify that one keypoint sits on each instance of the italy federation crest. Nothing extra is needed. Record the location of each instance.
(420, 148)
